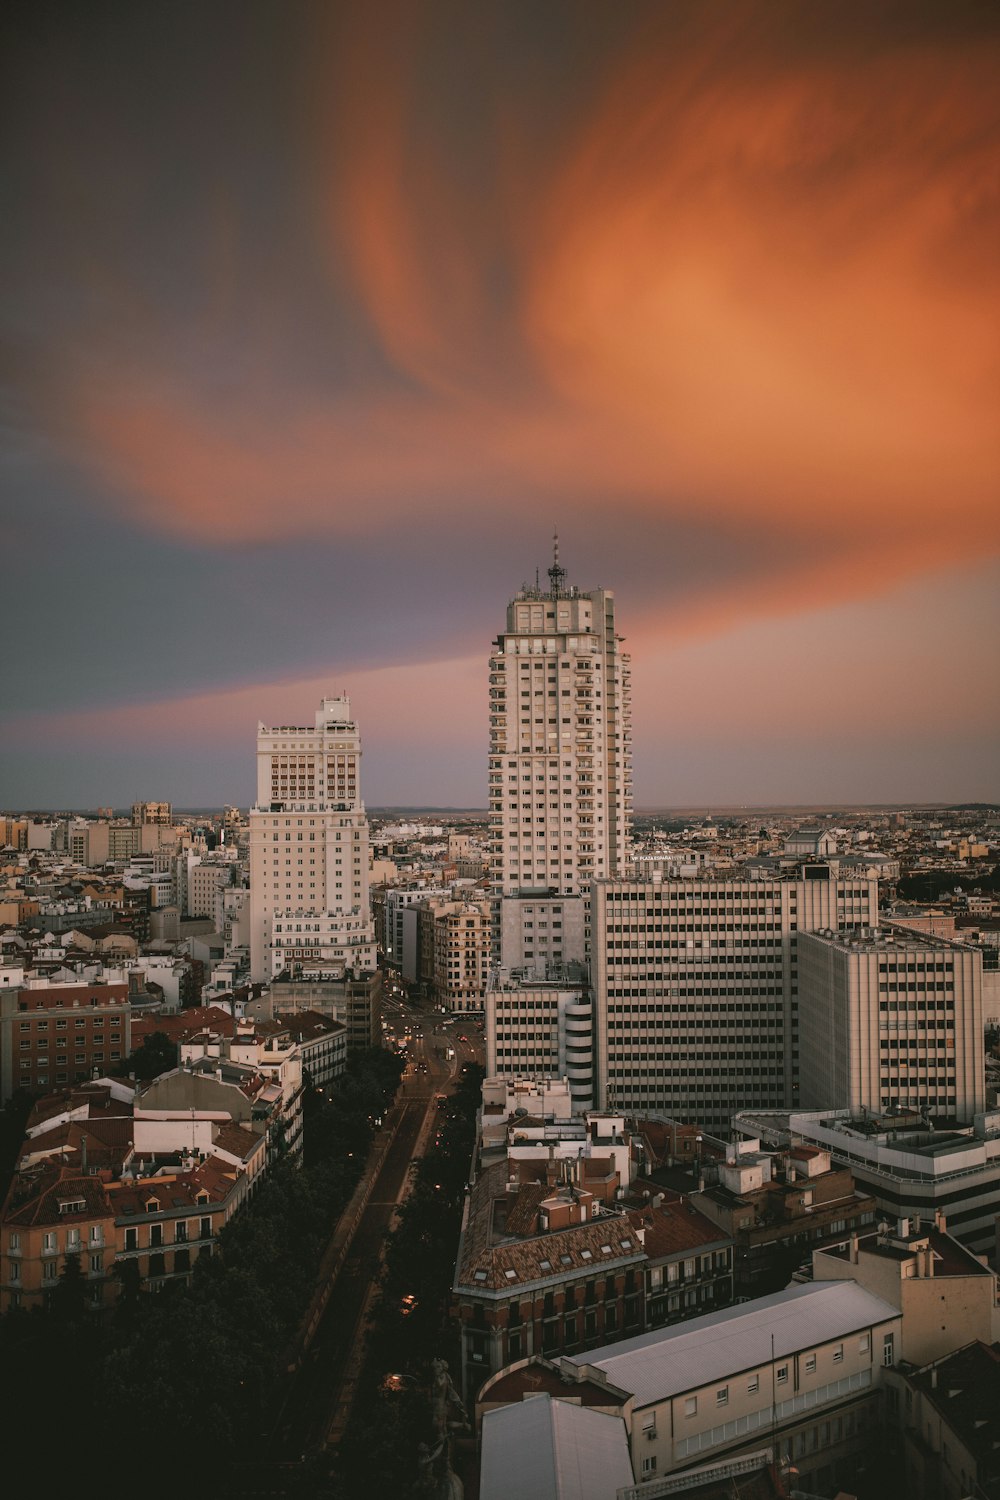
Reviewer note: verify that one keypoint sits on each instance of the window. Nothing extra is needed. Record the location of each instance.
(722, 1396)
(887, 1349)
(838, 1354)
(649, 1465)
(97, 1264)
(782, 1374)
(753, 1384)
(49, 1271)
(131, 1239)
(48, 1244)
(810, 1364)
(691, 1406)
(865, 1343)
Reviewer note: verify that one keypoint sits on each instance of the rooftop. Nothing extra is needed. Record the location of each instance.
(877, 940)
(655, 1366)
(545, 1449)
(493, 1262)
(950, 1258)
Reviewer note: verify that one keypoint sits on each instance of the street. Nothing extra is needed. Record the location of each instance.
(317, 1400)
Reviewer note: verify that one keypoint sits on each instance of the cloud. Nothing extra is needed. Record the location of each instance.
(743, 279)
(390, 703)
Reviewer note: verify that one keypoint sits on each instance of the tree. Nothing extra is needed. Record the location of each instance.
(69, 1298)
(158, 1054)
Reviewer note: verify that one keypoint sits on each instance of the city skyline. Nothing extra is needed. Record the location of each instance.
(317, 327)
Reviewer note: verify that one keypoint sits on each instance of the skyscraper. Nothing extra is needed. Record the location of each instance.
(309, 910)
(560, 768)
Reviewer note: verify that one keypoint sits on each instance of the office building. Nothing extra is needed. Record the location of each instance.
(696, 988)
(891, 1021)
(539, 1030)
(309, 911)
(559, 768)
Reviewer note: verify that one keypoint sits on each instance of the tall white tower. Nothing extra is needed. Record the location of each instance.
(560, 768)
(309, 909)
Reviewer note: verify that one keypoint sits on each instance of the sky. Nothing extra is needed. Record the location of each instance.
(317, 320)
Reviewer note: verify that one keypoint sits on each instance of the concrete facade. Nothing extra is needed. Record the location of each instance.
(560, 772)
(541, 1030)
(309, 850)
(891, 1021)
(696, 993)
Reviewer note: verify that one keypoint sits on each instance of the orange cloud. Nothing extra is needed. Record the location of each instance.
(752, 280)
(762, 271)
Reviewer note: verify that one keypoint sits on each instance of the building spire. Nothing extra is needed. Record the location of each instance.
(557, 575)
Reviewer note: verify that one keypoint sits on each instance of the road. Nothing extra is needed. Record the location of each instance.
(318, 1396)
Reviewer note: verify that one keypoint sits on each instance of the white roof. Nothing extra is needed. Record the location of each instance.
(545, 1449)
(655, 1366)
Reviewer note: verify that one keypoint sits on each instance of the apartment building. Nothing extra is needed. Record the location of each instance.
(137, 1229)
(321, 1042)
(543, 1265)
(160, 813)
(401, 937)
(921, 1269)
(57, 1032)
(461, 935)
(779, 1208)
(947, 1419)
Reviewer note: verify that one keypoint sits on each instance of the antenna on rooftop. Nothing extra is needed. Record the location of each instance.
(557, 575)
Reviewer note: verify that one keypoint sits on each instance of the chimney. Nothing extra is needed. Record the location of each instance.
(855, 1253)
(940, 1221)
(934, 1378)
